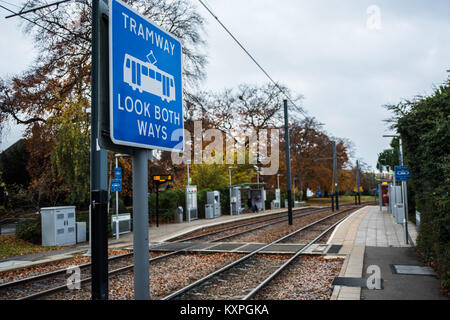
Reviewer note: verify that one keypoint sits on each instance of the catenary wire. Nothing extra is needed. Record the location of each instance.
(251, 57)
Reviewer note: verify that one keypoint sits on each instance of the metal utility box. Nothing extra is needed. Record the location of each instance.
(213, 198)
(58, 226)
(81, 232)
(179, 215)
(209, 211)
(275, 204)
(397, 201)
(236, 206)
(298, 204)
(191, 203)
(124, 223)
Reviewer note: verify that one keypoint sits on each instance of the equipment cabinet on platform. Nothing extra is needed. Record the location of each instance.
(58, 226)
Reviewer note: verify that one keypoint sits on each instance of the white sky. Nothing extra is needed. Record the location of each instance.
(322, 49)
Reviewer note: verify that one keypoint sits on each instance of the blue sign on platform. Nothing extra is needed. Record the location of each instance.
(116, 185)
(401, 173)
(146, 96)
(319, 192)
(118, 173)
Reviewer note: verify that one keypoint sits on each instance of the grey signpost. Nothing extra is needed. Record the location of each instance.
(140, 225)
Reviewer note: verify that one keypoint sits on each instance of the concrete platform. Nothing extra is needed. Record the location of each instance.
(370, 237)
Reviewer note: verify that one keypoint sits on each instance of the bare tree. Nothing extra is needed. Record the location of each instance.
(62, 36)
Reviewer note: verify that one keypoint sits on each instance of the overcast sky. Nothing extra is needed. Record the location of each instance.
(347, 61)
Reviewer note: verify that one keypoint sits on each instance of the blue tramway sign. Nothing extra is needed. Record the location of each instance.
(116, 185)
(118, 173)
(146, 96)
(401, 173)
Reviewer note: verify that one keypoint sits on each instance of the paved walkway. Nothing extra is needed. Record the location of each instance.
(372, 237)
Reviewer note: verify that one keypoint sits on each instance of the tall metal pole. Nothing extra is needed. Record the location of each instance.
(98, 177)
(140, 225)
(405, 196)
(357, 181)
(231, 205)
(293, 189)
(117, 205)
(187, 172)
(335, 175)
(288, 162)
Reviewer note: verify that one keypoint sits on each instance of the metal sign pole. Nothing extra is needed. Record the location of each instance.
(117, 206)
(405, 196)
(140, 225)
(98, 175)
(288, 162)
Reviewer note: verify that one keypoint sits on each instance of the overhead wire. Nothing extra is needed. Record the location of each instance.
(251, 57)
(33, 22)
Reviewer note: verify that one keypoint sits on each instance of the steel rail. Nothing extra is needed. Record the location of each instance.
(246, 257)
(315, 209)
(282, 219)
(83, 281)
(88, 264)
(130, 267)
(113, 272)
(289, 261)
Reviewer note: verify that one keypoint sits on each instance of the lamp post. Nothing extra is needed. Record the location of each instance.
(187, 166)
(293, 188)
(257, 174)
(404, 186)
(229, 174)
(278, 180)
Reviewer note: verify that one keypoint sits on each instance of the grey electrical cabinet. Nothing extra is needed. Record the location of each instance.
(58, 226)
(209, 211)
(213, 198)
(81, 232)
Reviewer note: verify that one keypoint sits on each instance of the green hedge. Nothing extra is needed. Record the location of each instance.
(424, 127)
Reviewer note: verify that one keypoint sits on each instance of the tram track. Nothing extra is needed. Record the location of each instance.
(227, 282)
(47, 284)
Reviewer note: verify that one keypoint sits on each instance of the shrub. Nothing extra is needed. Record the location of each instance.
(30, 230)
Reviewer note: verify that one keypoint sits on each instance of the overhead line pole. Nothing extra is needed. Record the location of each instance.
(357, 181)
(288, 161)
(335, 175)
